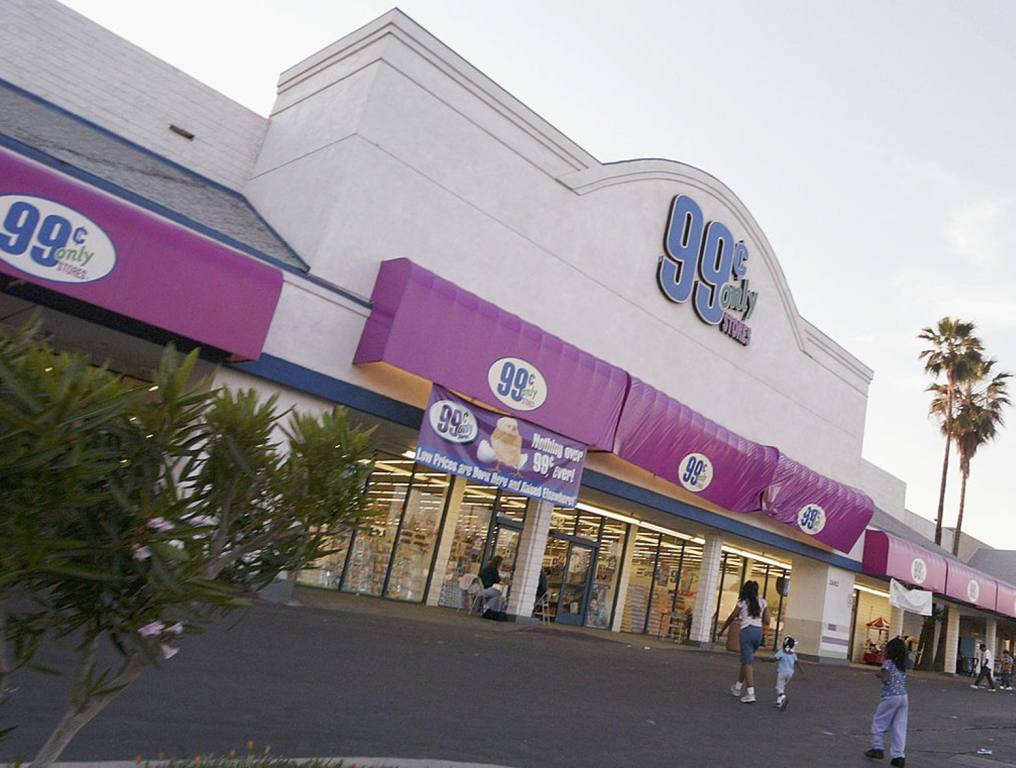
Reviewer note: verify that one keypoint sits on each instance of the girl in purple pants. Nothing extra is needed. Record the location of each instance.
(891, 714)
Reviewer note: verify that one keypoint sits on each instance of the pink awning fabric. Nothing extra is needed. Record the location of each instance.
(896, 558)
(669, 439)
(833, 513)
(430, 327)
(970, 586)
(71, 238)
(1005, 599)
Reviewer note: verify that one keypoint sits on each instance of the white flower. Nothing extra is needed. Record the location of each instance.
(152, 630)
(142, 553)
(168, 651)
(175, 629)
(202, 520)
(160, 524)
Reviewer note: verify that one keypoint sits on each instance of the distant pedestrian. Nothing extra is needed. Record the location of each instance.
(786, 664)
(753, 614)
(1007, 662)
(893, 704)
(987, 667)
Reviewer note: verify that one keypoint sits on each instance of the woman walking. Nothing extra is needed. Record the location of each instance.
(893, 704)
(753, 614)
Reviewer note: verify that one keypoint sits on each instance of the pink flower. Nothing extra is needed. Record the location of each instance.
(175, 629)
(168, 651)
(142, 553)
(152, 630)
(160, 524)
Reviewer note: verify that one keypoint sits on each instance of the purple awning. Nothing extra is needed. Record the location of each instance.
(671, 440)
(71, 238)
(970, 586)
(1005, 599)
(896, 558)
(430, 327)
(833, 513)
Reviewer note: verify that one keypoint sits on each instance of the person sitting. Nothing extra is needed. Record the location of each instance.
(493, 600)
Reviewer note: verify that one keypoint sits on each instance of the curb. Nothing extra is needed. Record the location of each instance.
(350, 762)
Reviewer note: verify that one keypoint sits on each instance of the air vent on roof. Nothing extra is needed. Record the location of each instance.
(182, 132)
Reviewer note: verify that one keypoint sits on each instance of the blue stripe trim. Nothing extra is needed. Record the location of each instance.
(653, 500)
(297, 377)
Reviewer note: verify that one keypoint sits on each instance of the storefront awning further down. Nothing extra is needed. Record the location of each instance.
(1005, 599)
(671, 440)
(896, 558)
(430, 327)
(970, 586)
(833, 513)
(73, 239)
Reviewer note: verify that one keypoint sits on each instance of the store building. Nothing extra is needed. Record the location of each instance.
(400, 236)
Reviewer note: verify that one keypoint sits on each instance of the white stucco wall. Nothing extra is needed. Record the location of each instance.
(58, 54)
(387, 144)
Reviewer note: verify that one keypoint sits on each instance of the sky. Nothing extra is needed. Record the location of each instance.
(875, 144)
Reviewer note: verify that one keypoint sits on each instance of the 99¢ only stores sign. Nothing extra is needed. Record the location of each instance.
(462, 439)
(703, 264)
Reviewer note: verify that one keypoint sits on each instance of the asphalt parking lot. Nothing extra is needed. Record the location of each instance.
(358, 676)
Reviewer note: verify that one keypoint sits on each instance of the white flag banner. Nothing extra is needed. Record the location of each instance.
(913, 600)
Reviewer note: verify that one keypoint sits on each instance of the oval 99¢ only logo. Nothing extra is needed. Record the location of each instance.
(695, 472)
(517, 383)
(49, 240)
(811, 518)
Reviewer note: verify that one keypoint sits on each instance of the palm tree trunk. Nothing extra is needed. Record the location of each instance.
(945, 462)
(959, 518)
(941, 492)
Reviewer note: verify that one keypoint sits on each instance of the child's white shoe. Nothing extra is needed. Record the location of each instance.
(735, 689)
(749, 696)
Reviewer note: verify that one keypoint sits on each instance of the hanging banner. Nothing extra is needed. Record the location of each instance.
(913, 600)
(462, 439)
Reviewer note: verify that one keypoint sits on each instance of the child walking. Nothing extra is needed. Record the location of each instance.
(1007, 670)
(786, 663)
(891, 714)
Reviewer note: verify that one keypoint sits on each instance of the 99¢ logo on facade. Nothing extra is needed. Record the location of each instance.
(695, 472)
(918, 571)
(811, 519)
(517, 383)
(453, 421)
(54, 242)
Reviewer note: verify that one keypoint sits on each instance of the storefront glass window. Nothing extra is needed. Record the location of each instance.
(668, 567)
(327, 572)
(563, 521)
(489, 523)
(640, 582)
(687, 593)
(608, 565)
(418, 535)
(731, 577)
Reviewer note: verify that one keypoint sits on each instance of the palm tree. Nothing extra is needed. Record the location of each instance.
(955, 353)
(978, 416)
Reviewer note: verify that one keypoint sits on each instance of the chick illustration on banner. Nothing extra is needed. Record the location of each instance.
(505, 446)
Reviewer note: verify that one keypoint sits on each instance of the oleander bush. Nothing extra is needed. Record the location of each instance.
(134, 515)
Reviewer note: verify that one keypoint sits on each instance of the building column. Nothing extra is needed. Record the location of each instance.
(529, 561)
(990, 636)
(952, 640)
(623, 580)
(444, 542)
(819, 610)
(895, 621)
(705, 599)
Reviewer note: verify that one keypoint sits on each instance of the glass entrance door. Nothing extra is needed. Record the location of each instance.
(571, 606)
